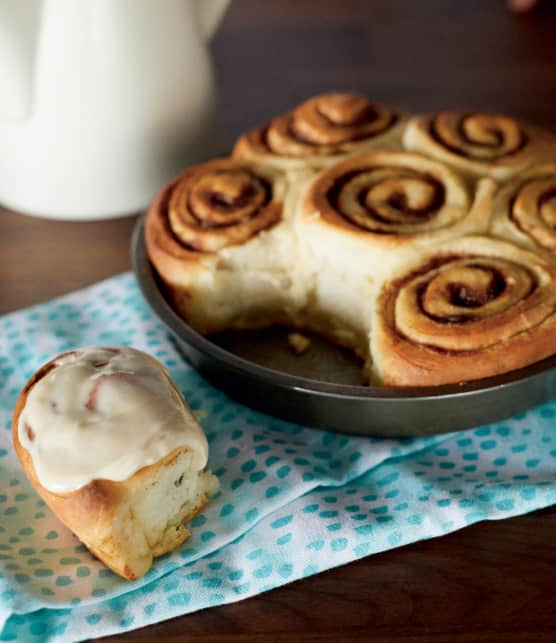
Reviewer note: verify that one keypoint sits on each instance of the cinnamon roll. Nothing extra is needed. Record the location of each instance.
(525, 209)
(366, 215)
(326, 218)
(320, 130)
(221, 239)
(471, 308)
(480, 143)
(107, 440)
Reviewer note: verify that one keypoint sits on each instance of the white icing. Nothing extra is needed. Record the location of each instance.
(104, 414)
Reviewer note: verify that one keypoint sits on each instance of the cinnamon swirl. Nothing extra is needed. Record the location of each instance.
(321, 130)
(525, 209)
(480, 143)
(220, 237)
(471, 308)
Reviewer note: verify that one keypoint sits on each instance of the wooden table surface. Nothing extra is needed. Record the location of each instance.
(489, 582)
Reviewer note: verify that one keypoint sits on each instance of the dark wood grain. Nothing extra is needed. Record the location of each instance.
(41, 259)
(490, 582)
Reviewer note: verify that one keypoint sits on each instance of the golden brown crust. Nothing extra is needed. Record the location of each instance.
(319, 130)
(471, 309)
(92, 511)
(480, 143)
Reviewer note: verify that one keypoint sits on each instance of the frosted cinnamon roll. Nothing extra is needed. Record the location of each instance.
(525, 209)
(107, 440)
(480, 143)
(471, 308)
(364, 216)
(320, 130)
(220, 237)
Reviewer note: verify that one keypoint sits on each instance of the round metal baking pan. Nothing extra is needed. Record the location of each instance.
(319, 388)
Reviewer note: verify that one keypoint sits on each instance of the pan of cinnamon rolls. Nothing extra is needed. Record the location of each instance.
(424, 245)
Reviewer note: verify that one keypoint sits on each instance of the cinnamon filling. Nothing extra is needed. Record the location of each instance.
(219, 204)
(465, 296)
(222, 199)
(401, 197)
(229, 202)
(346, 110)
(481, 137)
(324, 125)
(30, 433)
(440, 299)
(296, 134)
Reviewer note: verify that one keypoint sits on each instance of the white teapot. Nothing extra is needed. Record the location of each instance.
(103, 101)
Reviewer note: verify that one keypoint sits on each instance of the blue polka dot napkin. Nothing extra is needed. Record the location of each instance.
(293, 501)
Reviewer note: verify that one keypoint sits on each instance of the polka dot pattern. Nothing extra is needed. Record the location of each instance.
(293, 501)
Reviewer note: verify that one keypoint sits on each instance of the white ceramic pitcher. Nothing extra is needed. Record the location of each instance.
(103, 101)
